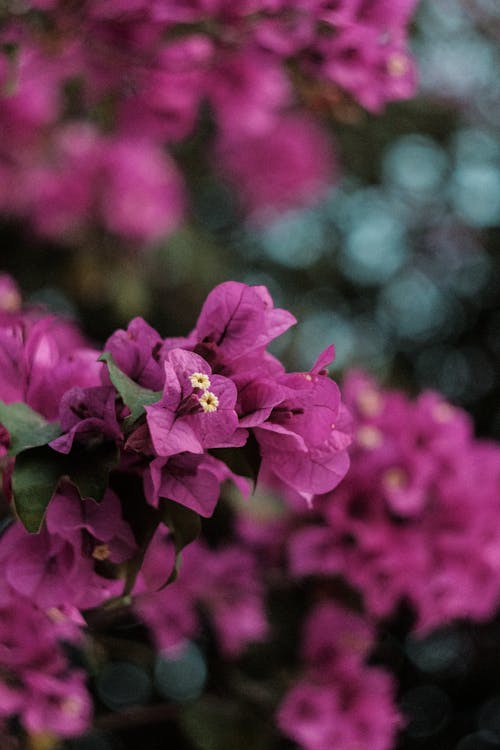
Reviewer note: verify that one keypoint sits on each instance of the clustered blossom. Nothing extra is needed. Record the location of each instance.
(37, 683)
(219, 384)
(340, 701)
(135, 443)
(123, 440)
(56, 568)
(92, 92)
(416, 521)
(230, 592)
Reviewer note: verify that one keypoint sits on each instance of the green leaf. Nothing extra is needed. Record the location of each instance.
(27, 428)
(184, 525)
(36, 475)
(38, 471)
(144, 532)
(244, 461)
(133, 395)
(89, 469)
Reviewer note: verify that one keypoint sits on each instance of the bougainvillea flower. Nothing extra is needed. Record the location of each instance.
(339, 701)
(192, 480)
(414, 520)
(197, 410)
(304, 441)
(133, 351)
(87, 415)
(236, 321)
(100, 527)
(37, 683)
(41, 357)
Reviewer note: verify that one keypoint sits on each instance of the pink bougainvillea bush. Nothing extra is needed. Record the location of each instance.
(413, 527)
(339, 701)
(97, 97)
(102, 449)
(111, 457)
(416, 520)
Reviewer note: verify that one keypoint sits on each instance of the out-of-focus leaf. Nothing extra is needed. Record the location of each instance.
(38, 471)
(133, 395)
(146, 521)
(27, 428)
(89, 469)
(245, 461)
(35, 478)
(184, 525)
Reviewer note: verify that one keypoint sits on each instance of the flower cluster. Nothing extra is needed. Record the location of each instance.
(108, 458)
(340, 702)
(92, 92)
(415, 522)
(230, 592)
(417, 519)
(37, 682)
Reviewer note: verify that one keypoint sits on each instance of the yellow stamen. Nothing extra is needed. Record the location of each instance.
(209, 402)
(55, 614)
(101, 552)
(442, 412)
(395, 478)
(369, 437)
(200, 380)
(369, 402)
(397, 65)
(353, 642)
(72, 706)
(10, 301)
(43, 741)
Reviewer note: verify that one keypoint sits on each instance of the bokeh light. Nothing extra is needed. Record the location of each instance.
(181, 675)
(121, 685)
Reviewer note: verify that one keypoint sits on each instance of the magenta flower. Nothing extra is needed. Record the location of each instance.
(166, 106)
(304, 441)
(37, 684)
(134, 352)
(170, 613)
(41, 357)
(55, 568)
(60, 706)
(192, 480)
(374, 72)
(197, 410)
(355, 711)
(260, 165)
(51, 571)
(236, 323)
(87, 415)
(335, 637)
(339, 701)
(142, 192)
(148, 73)
(248, 90)
(414, 519)
(104, 534)
(230, 592)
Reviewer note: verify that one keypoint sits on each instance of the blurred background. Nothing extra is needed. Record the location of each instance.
(398, 266)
